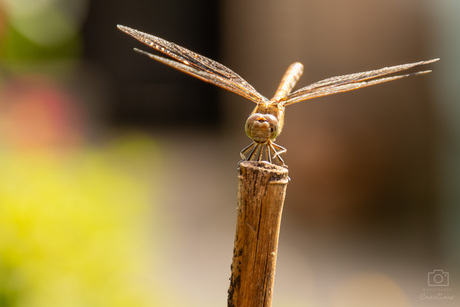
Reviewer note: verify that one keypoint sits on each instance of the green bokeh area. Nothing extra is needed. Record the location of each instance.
(43, 31)
(16, 48)
(74, 228)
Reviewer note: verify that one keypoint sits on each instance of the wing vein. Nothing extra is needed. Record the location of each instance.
(352, 81)
(200, 66)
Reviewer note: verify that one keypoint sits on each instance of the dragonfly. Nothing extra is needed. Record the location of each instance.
(266, 120)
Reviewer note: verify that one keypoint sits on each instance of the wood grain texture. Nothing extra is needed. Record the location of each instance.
(261, 193)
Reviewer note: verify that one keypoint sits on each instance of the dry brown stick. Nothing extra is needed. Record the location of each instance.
(261, 193)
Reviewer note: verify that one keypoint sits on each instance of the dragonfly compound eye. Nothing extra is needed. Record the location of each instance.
(262, 127)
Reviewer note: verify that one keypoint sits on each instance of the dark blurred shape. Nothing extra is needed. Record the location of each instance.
(148, 94)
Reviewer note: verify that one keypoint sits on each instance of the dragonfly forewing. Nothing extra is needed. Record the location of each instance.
(334, 89)
(200, 74)
(353, 81)
(234, 82)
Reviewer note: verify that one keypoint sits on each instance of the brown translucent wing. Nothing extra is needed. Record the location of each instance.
(351, 82)
(196, 65)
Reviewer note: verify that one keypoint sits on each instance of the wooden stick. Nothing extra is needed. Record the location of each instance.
(261, 193)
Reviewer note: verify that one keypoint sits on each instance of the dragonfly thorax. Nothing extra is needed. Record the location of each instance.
(262, 127)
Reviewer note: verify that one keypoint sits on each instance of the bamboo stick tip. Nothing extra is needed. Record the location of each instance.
(273, 173)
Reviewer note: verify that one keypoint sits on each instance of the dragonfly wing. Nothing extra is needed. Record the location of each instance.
(211, 69)
(202, 75)
(354, 81)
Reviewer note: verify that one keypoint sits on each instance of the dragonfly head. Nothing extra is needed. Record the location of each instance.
(262, 127)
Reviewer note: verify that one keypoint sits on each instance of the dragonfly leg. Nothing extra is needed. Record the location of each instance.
(265, 154)
(281, 149)
(257, 153)
(268, 151)
(248, 151)
(277, 151)
(269, 154)
(252, 152)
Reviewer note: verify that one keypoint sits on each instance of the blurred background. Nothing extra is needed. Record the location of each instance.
(118, 175)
